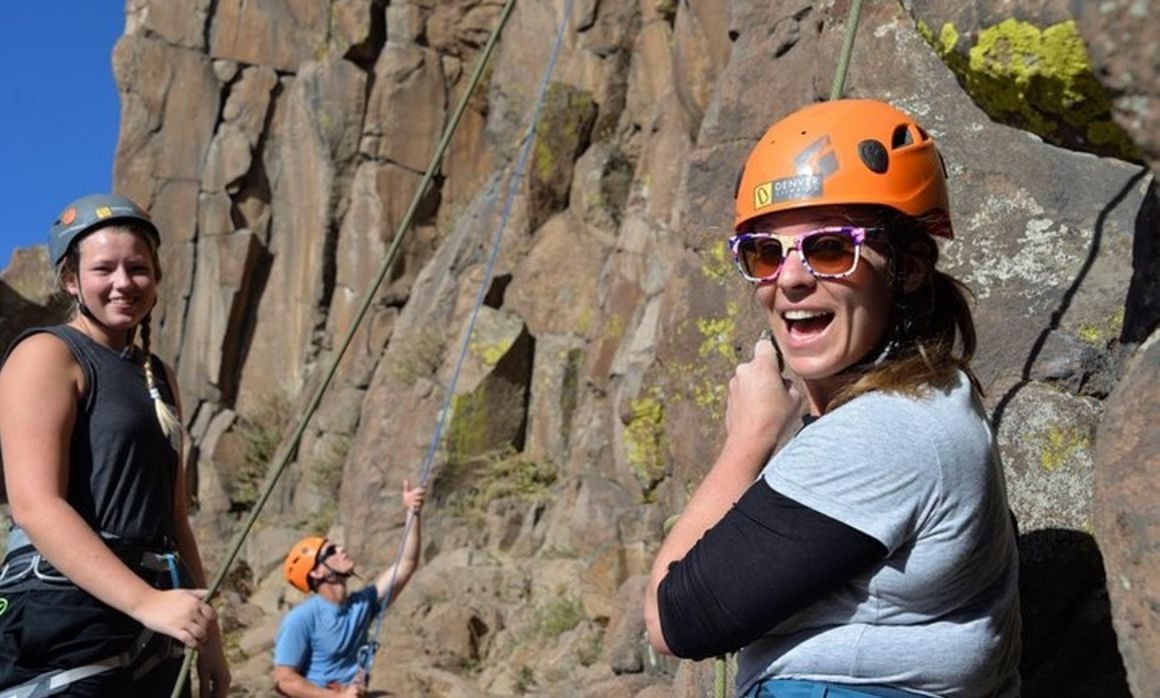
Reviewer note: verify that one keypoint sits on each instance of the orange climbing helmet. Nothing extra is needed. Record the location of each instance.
(850, 151)
(302, 560)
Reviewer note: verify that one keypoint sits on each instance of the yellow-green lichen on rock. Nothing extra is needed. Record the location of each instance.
(542, 159)
(483, 422)
(614, 328)
(1037, 79)
(1061, 445)
(667, 9)
(584, 322)
(1090, 334)
(717, 334)
(569, 110)
(700, 383)
(468, 429)
(490, 354)
(646, 444)
(719, 266)
(709, 395)
(1099, 333)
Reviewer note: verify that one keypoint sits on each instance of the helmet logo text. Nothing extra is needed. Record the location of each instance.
(807, 186)
(813, 165)
(104, 212)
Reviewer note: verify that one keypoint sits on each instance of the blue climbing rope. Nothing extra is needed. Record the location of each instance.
(370, 648)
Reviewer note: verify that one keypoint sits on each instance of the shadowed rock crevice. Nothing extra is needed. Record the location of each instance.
(1142, 307)
(1067, 624)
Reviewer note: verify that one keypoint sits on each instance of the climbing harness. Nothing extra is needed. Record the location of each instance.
(25, 569)
(286, 452)
(55, 682)
(369, 649)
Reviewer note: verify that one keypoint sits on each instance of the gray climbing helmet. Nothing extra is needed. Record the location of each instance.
(88, 213)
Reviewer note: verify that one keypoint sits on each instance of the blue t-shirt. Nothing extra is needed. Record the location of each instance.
(320, 639)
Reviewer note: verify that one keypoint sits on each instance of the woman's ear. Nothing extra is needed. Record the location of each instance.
(71, 284)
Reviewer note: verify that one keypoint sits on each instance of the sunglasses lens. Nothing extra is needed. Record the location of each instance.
(760, 258)
(830, 253)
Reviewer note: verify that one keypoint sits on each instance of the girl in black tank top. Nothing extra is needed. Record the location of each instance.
(100, 582)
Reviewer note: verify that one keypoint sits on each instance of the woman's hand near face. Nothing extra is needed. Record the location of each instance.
(761, 403)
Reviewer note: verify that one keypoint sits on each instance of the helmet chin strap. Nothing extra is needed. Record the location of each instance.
(89, 316)
(83, 308)
(333, 576)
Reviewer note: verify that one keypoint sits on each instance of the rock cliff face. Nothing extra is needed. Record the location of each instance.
(279, 145)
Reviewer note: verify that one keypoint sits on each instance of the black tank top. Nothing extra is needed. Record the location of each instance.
(122, 468)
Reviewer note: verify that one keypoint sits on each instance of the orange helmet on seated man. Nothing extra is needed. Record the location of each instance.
(302, 560)
(845, 152)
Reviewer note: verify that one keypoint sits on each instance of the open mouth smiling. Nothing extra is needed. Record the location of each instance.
(806, 321)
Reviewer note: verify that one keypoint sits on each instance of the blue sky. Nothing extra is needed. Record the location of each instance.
(59, 110)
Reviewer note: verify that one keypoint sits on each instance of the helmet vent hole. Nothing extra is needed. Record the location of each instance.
(874, 155)
(901, 137)
(922, 133)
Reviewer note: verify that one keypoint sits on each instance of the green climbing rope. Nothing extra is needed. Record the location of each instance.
(287, 450)
(847, 49)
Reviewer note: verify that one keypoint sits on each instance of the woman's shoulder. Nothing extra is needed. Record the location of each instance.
(42, 347)
(928, 403)
(881, 407)
(893, 424)
(943, 424)
(43, 367)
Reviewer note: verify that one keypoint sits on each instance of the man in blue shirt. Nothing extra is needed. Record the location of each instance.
(316, 651)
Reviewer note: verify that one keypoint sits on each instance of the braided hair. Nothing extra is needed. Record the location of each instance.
(170, 424)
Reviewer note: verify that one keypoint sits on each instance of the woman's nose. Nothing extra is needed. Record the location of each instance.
(794, 272)
(122, 277)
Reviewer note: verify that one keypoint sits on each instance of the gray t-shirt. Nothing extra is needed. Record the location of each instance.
(940, 615)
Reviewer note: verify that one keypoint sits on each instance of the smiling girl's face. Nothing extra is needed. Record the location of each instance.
(116, 279)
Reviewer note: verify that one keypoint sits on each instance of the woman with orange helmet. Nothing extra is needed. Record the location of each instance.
(873, 553)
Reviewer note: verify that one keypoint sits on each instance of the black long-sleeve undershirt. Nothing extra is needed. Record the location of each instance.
(768, 558)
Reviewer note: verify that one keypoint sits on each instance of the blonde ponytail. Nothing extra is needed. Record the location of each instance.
(170, 424)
